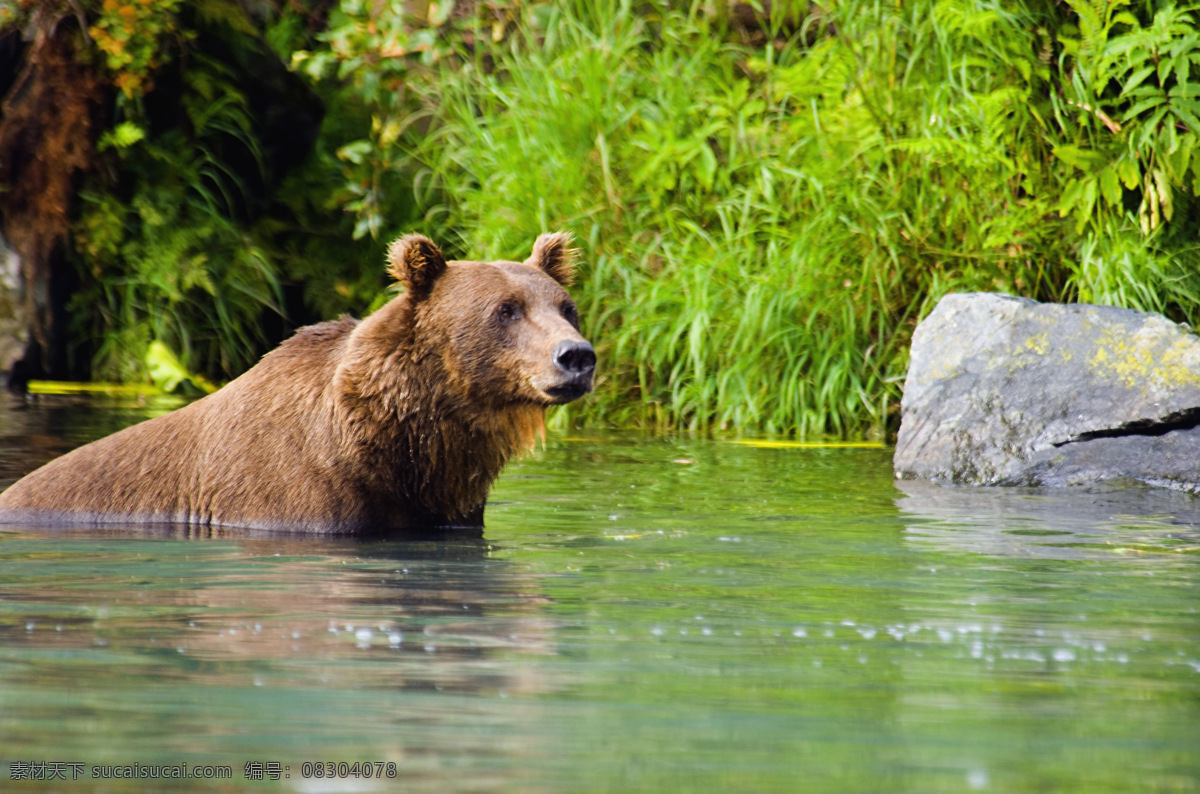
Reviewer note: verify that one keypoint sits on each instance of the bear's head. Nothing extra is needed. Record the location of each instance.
(439, 388)
(505, 332)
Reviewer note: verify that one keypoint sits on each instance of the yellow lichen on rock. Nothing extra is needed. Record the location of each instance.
(1038, 343)
(1148, 359)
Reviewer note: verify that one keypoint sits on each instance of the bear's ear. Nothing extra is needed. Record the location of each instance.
(553, 253)
(417, 262)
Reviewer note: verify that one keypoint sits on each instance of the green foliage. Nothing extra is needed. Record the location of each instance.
(1135, 80)
(122, 136)
(177, 246)
(129, 33)
(168, 373)
(765, 210)
(169, 263)
(167, 267)
(369, 48)
(766, 222)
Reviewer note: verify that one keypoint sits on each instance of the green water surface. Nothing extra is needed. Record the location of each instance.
(641, 614)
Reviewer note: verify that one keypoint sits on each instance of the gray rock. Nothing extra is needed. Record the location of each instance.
(1170, 460)
(1008, 391)
(14, 315)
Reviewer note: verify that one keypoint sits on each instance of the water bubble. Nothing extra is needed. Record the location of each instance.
(706, 631)
(364, 638)
(657, 631)
(799, 631)
(977, 778)
(1063, 655)
(867, 633)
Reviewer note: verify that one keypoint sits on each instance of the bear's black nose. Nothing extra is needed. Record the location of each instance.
(575, 358)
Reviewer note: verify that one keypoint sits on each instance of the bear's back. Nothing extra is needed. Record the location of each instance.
(259, 450)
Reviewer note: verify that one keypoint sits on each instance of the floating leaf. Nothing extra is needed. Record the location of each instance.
(168, 373)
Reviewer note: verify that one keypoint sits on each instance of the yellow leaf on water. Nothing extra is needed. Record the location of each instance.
(768, 444)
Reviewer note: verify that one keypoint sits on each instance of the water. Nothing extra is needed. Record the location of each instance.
(641, 614)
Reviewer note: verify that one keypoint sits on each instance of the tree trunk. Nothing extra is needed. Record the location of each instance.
(50, 117)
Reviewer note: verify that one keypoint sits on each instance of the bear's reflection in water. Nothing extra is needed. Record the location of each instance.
(437, 613)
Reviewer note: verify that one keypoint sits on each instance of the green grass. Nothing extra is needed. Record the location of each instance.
(764, 215)
(764, 226)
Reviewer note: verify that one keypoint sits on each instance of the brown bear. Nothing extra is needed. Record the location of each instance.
(401, 420)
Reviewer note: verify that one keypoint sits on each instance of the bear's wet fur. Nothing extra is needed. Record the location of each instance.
(399, 421)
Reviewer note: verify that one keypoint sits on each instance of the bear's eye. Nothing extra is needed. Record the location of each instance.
(508, 312)
(570, 313)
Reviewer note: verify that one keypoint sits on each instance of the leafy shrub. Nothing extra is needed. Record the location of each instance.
(767, 222)
(767, 209)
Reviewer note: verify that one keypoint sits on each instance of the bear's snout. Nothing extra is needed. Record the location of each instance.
(576, 360)
(575, 357)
